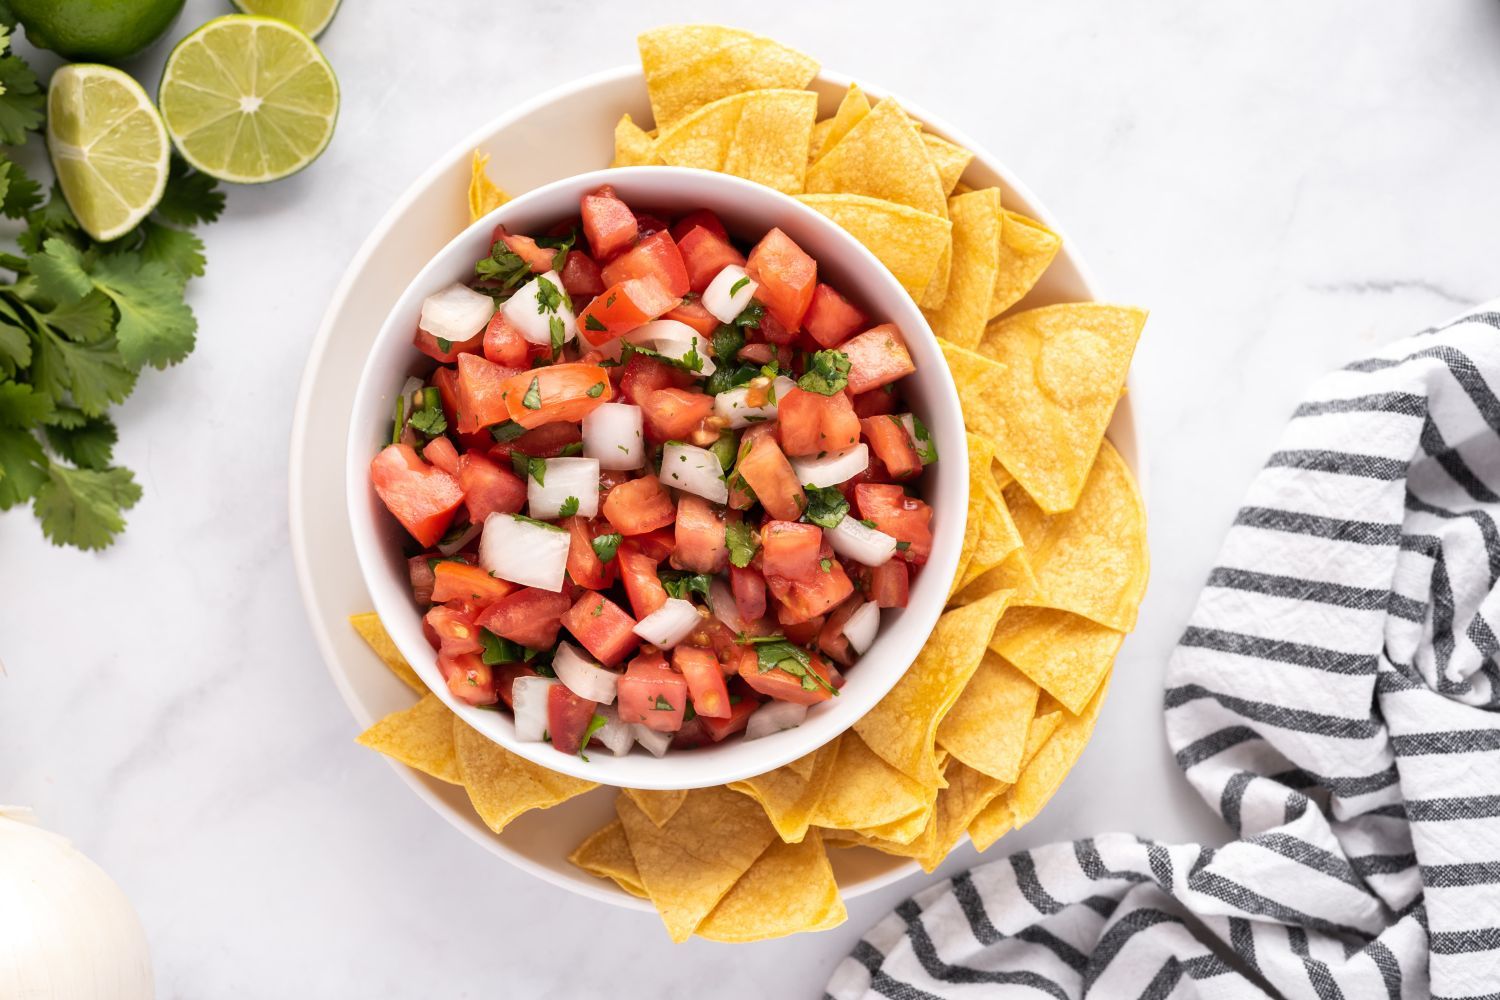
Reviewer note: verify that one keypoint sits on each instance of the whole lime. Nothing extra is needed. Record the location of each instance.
(95, 30)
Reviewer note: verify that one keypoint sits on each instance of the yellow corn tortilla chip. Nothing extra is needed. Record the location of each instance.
(503, 785)
(950, 160)
(902, 728)
(606, 853)
(1026, 251)
(484, 194)
(882, 156)
(852, 108)
(981, 382)
(790, 889)
(936, 291)
(866, 792)
(1091, 560)
(981, 457)
(998, 539)
(1064, 368)
(976, 259)
(378, 639)
(702, 138)
(908, 242)
(968, 793)
(660, 806)
(419, 737)
(689, 863)
(986, 728)
(772, 138)
(634, 146)
(1013, 574)
(690, 65)
(1067, 655)
(790, 798)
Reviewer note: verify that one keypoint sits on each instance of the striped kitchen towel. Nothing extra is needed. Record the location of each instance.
(1334, 697)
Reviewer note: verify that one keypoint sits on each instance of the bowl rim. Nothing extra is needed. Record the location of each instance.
(902, 635)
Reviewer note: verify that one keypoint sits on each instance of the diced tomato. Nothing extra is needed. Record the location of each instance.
(831, 639)
(877, 357)
(804, 633)
(692, 735)
(639, 506)
(892, 445)
(888, 584)
(787, 277)
(700, 534)
(505, 680)
(585, 568)
(655, 256)
(456, 631)
(482, 388)
(720, 730)
(602, 626)
(758, 353)
(831, 319)
(608, 223)
(419, 574)
(876, 402)
(423, 497)
(538, 258)
(489, 488)
(775, 333)
(652, 693)
(749, 589)
(694, 315)
(469, 678)
(548, 440)
(705, 681)
(657, 543)
(705, 254)
(642, 585)
(529, 616)
(446, 380)
(456, 580)
(804, 598)
(504, 345)
(581, 276)
(562, 393)
(441, 453)
(621, 308)
(903, 517)
(428, 345)
(568, 718)
(771, 478)
(673, 414)
(699, 217)
(809, 423)
(790, 549)
(642, 376)
(777, 683)
(648, 224)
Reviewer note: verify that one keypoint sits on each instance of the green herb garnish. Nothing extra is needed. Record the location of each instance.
(533, 398)
(827, 374)
(605, 546)
(740, 538)
(826, 506)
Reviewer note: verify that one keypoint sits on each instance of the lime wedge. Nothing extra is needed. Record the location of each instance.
(312, 16)
(108, 148)
(249, 99)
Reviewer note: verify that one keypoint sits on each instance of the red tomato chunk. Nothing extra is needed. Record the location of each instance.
(423, 497)
(602, 627)
(652, 693)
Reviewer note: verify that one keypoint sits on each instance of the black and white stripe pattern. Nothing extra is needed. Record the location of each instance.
(1335, 698)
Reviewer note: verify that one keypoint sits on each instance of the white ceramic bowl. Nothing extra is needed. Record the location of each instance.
(748, 210)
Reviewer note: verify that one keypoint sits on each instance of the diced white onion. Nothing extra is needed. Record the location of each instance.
(676, 341)
(614, 734)
(860, 628)
(583, 676)
(721, 602)
(719, 300)
(853, 540)
(463, 539)
(926, 450)
(564, 478)
(731, 405)
(649, 738)
(833, 468)
(456, 313)
(409, 390)
(613, 436)
(773, 717)
(669, 624)
(533, 555)
(533, 322)
(694, 469)
(531, 694)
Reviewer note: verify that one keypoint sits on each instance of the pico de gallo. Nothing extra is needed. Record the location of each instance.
(659, 486)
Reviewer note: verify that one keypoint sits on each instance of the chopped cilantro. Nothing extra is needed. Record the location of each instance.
(533, 398)
(536, 468)
(569, 507)
(548, 296)
(740, 538)
(735, 288)
(869, 524)
(591, 322)
(444, 344)
(562, 244)
(503, 266)
(902, 546)
(682, 584)
(558, 333)
(605, 546)
(428, 418)
(597, 723)
(827, 374)
(571, 449)
(662, 704)
(595, 391)
(540, 524)
(826, 506)
(501, 650)
(780, 654)
(751, 315)
(826, 565)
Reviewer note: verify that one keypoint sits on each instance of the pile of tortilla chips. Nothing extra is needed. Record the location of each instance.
(983, 727)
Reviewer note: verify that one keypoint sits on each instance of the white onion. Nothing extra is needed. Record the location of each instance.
(563, 478)
(463, 539)
(719, 300)
(721, 602)
(534, 323)
(530, 696)
(926, 450)
(669, 624)
(860, 628)
(649, 738)
(773, 717)
(675, 341)
(533, 555)
(696, 470)
(66, 929)
(612, 436)
(854, 540)
(730, 404)
(614, 734)
(833, 468)
(456, 313)
(583, 676)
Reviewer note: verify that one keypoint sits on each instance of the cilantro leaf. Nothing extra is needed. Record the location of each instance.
(503, 266)
(562, 244)
(548, 296)
(536, 468)
(84, 507)
(19, 194)
(605, 546)
(178, 250)
(591, 322)
(501, 650)
(60, 272)
(826, 506)
(15, 347)
(791, 659)
(595, 391)
(94, 374)
(827, 374)
(682, 584)
(190, 197)
(23, 467)
(22, 407)
(88, 442)
(21, 101)
(156, 326)
(533, 398)
(568, 508)
(740, 538)
(597, 723)
(507, 431)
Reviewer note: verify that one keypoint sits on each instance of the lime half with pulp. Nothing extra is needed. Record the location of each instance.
(108, 148)
(249, 99)
(312, 16)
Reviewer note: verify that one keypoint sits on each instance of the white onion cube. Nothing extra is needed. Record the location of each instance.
(773, 717)
(731, 404)
(855, 540)
(696, 470)
(614, 436)
(833, 468)
(614, 734)
(583, 676)
(530, 695)
(860, 627)
(675, 341)
(563, 478)
(729, 293)
(656, 743)
(669, 624)
(456, 313)
(524, 311)
(533, 555)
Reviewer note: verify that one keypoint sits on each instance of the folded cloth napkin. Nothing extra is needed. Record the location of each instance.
(1334, 697)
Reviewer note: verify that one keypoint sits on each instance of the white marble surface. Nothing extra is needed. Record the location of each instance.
(1284, 187)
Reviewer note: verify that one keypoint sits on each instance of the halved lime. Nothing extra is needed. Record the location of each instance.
(249, 99)
(312, 16)
(108, 147)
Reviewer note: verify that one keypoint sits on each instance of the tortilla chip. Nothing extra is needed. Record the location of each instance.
(949, 159)
(688, 864)
(419, 737)
(503, 785)
(690, 65)
(936, 291)
(1049, 715)
(634, 146)
(968, 793)
(1093, 559)
(902, 728)
(484, 194)
(702, 138)
(981, 457)
(867, 793)
(1026, 250)
(378, 639)
(981, 382)
(660, 806)
(908, 242)
(772, 138)
(883, 157)
(976, 260)
(606, 853)
(789, 889)
(789, 798)
(852, 108)
(1047, 410)
(1067, 655)
(987, 726)
(1013, 574)
(999, 539)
